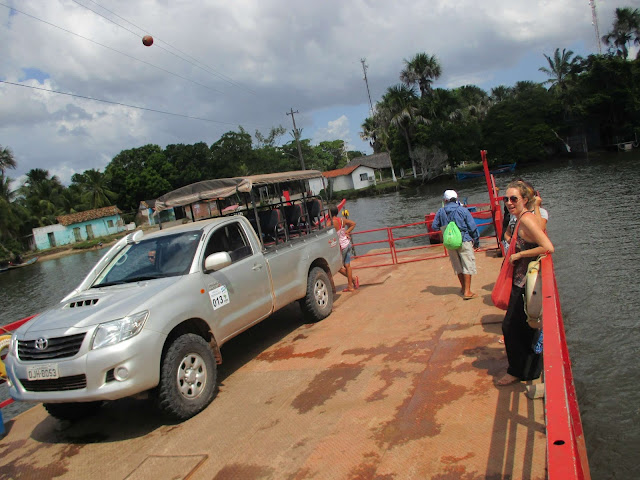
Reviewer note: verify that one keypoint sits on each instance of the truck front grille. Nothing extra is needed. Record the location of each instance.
(73, 382)
(59, 347)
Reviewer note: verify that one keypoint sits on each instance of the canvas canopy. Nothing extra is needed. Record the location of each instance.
(225, 187)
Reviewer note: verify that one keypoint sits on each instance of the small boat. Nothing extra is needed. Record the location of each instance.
(495, 171)
(11, 266)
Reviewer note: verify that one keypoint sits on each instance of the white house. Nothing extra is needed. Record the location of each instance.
(347, 178)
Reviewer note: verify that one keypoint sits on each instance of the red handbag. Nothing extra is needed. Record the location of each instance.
(502, 289)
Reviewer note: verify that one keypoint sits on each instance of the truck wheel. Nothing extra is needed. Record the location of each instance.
(318, 302)
(187, 377)
(72, 411)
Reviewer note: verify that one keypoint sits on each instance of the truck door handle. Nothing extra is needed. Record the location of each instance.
(257, 266)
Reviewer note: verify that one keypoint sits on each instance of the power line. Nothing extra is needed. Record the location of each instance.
(109, 48)
(208, 69)
(175, 48)
(127, 105)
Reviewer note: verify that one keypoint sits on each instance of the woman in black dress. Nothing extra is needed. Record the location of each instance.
(524, 363)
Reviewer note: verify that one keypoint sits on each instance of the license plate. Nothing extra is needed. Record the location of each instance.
(43, 372)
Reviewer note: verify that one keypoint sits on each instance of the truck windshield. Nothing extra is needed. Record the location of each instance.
(165, 256)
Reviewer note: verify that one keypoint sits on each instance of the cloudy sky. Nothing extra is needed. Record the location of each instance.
(217, 64)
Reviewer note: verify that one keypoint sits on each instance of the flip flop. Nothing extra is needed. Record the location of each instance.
(357, 283)
(348, 290)
(475, 295)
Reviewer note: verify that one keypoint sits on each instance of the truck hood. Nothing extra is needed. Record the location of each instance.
(99, 305)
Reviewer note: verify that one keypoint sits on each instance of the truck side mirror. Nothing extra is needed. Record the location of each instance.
(216, 261)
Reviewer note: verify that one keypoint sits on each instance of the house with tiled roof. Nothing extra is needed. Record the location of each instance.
(79, 227)
(352, 177)
(380, 162)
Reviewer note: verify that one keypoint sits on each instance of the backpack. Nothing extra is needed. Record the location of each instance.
(451, 237)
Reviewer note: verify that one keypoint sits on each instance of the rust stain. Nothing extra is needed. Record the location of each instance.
(325, 385)
(10, 447)
(23, 468)
(301, 474)
(459, 472)
(388, 376)
(300, 336)
(238, 471)
(416, 417)
(451, 459)
(416, 351)
(271, 424)
(286, 353)
(367, 469)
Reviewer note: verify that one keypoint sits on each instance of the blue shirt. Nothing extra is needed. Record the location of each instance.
(459, 214)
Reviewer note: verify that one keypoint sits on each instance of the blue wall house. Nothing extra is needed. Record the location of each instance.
(79, 227)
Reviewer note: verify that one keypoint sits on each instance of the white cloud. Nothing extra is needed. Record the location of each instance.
(258, 59)
(337, 129)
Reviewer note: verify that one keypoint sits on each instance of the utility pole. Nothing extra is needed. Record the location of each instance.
(364, 69)
(295, 130)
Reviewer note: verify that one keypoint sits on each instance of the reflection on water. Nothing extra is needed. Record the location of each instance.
(594, 226)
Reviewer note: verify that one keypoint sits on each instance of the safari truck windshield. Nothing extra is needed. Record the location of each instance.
(157, 257)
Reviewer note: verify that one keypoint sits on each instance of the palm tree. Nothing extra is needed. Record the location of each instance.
(376, 130)
(6, 159)
(561, 67)
(421, 70)
(500, 93)
(625, 33)
(399, 107)
(92, 184)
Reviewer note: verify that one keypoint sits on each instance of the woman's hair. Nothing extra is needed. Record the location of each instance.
(334, 211)
(526, 191)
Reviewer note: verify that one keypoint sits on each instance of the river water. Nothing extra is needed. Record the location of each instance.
(593, 225)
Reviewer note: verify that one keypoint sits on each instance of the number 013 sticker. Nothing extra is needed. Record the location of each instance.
(219, 297)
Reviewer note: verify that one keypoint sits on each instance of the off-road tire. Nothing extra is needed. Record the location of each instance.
(72, 411)
(318, 302)
(187, 377)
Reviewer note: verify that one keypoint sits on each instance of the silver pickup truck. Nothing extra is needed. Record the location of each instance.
(154, 312)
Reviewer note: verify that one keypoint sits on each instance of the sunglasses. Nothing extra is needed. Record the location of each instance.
(512, 199)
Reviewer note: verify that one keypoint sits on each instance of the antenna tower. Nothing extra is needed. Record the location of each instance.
(594, 21)
(364, 69)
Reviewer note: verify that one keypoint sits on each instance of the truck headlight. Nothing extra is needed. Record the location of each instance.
(116, 331)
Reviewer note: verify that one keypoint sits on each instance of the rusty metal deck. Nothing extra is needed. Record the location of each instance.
(396, 384)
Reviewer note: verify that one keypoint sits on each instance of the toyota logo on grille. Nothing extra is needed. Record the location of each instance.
(42, 343)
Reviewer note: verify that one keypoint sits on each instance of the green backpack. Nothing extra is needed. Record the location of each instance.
(451, 237)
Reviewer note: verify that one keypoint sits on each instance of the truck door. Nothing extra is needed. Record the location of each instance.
(240, 293)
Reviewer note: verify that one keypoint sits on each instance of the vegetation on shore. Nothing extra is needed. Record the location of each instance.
(430, 129)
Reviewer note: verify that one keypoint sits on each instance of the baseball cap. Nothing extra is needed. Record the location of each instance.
(449, 194)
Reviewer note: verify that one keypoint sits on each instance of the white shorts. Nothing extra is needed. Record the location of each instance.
(463, 260)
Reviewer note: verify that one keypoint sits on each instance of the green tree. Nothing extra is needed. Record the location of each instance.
(41, 195)
(625, 32)
(561, 68)
(521, 128)
(138, 174)
(422, 70)
(399, 107)
(6, 159)
(93, 186)
(233, 155)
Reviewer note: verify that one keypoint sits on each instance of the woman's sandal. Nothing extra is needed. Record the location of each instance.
(348, 290)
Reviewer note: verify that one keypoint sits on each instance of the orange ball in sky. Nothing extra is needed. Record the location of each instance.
(147, 40)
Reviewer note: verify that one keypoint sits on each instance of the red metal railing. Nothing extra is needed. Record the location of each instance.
(7, 329)
(566, 447)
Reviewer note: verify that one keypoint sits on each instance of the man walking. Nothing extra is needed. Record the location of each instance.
(463, 259)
